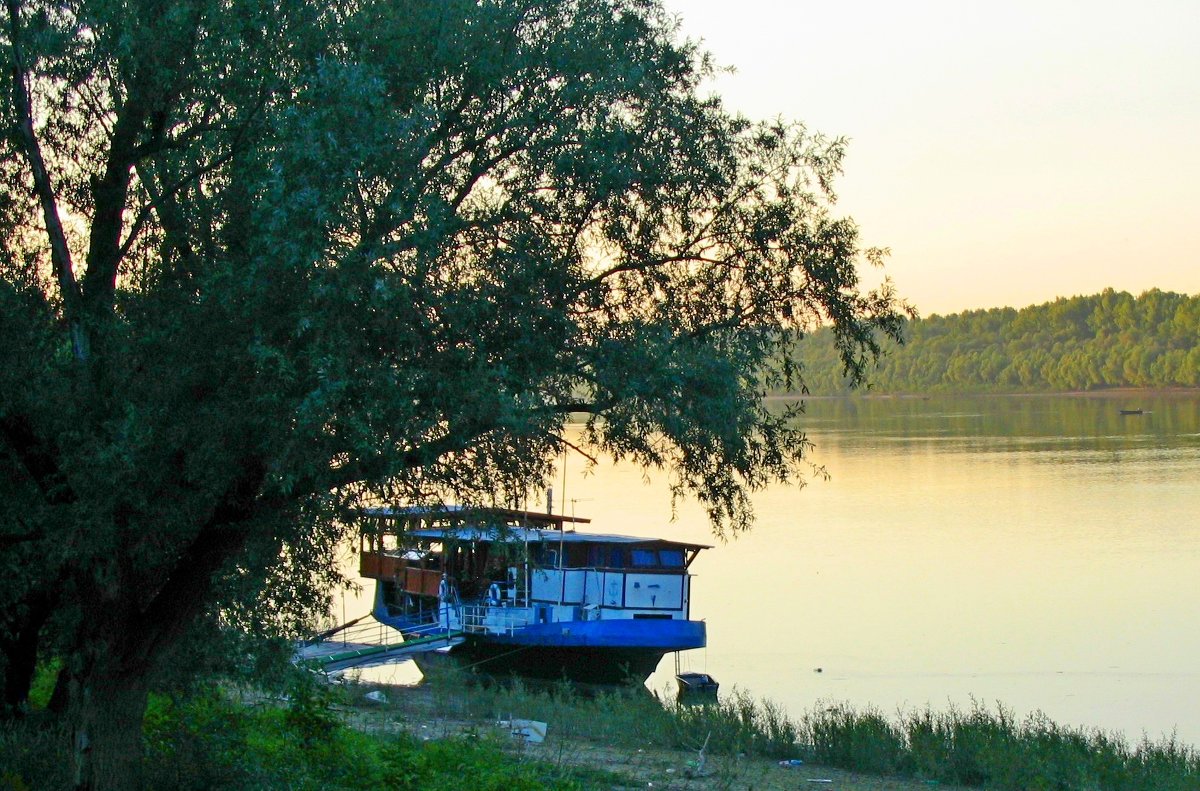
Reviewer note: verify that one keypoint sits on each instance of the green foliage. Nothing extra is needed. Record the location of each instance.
(865, 741)
(735, 725)
(452, 764)
(309, 713)
(1111, 339)
(993, 750)
(43, 684)
(198, 742)
(207, 742)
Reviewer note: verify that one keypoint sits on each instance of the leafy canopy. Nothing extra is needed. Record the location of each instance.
(264, 260)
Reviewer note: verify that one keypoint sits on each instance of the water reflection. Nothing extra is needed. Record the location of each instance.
(1021, 550)
(1037, 551)
(1166, 417)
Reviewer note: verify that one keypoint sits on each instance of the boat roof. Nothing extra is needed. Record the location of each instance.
(465, 531)
(463, 512)
(533, 535)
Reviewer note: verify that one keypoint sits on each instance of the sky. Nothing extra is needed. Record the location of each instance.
(1008, 153)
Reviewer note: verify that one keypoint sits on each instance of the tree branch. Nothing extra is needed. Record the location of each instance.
(60, 254)
(162, 195)
(110, 194)
(187, 586)
(36, 458)
(568, 444)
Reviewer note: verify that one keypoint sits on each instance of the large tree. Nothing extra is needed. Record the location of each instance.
(264, 260)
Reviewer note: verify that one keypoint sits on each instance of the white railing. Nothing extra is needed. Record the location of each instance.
(479, 619)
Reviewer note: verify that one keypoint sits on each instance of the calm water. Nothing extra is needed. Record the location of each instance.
(1042, 552)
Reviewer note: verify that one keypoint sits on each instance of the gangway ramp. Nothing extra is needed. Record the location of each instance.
(367, 645)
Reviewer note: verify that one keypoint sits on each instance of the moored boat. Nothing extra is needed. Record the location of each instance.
(696, 686)
(528, 594)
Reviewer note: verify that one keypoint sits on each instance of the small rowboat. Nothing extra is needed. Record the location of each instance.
(697, 685)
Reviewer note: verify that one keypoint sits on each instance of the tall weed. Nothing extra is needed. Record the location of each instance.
(864, 741)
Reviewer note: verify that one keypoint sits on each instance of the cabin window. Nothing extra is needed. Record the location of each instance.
(616, 558)
(644, 558)
(670, 558)
(577, 556)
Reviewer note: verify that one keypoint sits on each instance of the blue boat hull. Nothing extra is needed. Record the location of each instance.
(598, 652)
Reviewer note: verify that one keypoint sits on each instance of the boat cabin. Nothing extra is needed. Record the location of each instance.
(501, 569)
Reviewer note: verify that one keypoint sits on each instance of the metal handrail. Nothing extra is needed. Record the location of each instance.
(484, 619)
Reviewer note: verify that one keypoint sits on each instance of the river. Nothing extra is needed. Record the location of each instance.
(1042, 552)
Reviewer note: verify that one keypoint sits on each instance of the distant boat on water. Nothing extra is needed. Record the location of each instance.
(1132, 411)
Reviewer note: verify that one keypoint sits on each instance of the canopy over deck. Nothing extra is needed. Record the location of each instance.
(463, 514)
(503, 525)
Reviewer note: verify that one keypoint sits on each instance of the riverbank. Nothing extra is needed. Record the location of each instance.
(741, 742)
(455, 734)
(357, 737)
(612, 733)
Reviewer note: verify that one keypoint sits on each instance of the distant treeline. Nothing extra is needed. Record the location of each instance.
(1111, 339)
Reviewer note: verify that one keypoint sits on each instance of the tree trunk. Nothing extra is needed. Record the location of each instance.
(21, 655)
(60, 698)
(107, 709)
(19, 665)
(121, 641)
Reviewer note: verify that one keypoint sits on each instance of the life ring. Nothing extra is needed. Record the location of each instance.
(493, 595)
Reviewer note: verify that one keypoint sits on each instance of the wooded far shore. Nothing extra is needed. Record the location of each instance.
(1085, 343)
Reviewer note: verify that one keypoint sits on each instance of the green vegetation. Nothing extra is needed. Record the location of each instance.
(321, 737)
(208, 741)
(1107, 340)
(979, 747)
(992, 750)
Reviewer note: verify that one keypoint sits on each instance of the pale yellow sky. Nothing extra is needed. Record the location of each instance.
(1007, 152)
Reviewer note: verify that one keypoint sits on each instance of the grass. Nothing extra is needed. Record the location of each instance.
(992, 748)
(979, 747)
(629, 717)
(320, 737)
